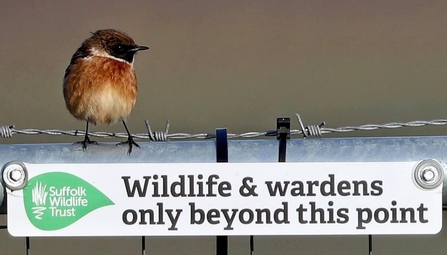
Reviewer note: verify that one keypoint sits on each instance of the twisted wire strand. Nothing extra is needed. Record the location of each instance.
(393, 125)
(312, 131)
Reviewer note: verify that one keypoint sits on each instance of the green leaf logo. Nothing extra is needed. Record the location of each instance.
(56, 200)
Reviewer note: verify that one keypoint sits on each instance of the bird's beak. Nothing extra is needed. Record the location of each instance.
(138, 48)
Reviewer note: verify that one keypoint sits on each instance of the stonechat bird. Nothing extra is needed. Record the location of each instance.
(100, 86)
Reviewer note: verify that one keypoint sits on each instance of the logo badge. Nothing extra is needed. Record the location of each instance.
(56, 200)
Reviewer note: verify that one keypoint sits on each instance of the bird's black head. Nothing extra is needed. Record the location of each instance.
(114, 43)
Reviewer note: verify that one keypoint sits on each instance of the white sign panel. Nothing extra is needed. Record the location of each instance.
(173, 199)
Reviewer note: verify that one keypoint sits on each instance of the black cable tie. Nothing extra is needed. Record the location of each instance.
(28, 247)
(143, 245)
(283, 129)
(221, 157)
(252, 245)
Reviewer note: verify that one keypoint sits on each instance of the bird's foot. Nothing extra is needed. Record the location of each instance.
(130, 142)
(85, 142)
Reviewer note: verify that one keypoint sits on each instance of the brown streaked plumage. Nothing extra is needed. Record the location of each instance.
(100, 85)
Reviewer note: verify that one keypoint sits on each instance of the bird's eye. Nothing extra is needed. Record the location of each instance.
(119, 48)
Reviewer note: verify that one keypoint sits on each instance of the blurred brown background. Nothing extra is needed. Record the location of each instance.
(235, 64)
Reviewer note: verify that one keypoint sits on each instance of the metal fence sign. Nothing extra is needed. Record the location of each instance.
(183, 199)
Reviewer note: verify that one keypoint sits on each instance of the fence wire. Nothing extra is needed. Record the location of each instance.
(312, 131)
(309, 131)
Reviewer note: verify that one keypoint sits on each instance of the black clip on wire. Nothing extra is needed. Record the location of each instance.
(28, 248)
(143, 245)
(221, 157)
(3, 209)
(283, 133)
(3, 203)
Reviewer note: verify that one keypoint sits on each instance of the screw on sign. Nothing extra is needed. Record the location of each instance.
(15, 175)
(429, 174)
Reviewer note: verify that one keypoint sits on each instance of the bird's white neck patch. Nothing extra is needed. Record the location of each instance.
(104, 54)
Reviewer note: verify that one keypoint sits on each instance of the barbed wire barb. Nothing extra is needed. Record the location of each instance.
(309, 131)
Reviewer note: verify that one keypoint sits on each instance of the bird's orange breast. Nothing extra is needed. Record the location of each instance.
(100, 90)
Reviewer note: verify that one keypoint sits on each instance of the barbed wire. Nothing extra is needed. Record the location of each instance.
(309, 131)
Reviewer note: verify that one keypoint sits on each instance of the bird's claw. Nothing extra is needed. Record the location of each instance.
(129, 142)
(85, 142)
